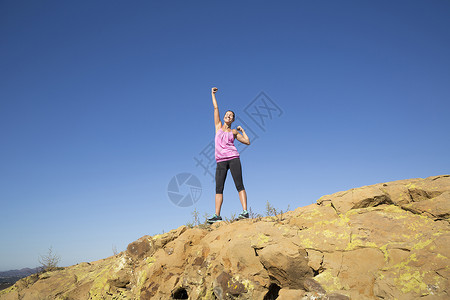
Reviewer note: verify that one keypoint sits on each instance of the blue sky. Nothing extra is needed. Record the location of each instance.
(102, 103)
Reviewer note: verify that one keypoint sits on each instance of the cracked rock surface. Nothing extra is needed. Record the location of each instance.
(384, 241)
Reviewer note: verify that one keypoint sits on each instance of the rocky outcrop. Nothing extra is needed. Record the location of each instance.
(385, 241)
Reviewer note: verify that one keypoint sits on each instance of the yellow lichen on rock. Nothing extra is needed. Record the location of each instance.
(412, 281)
(150, 260)
(100, 285)
(359, 243)
(330, 282)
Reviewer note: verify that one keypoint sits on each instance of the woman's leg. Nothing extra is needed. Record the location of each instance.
(221, 175)
(243, 198)
(219, 201)
(236, 172)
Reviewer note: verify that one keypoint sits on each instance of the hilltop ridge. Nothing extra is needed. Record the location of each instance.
(383, 241)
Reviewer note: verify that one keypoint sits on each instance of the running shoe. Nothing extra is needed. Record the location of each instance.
(215, 218)
(243, 215)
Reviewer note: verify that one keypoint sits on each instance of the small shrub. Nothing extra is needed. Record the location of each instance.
(195, 219)
(231, 219)
(195, 215)
(253, 215)
(273, 212)
(189, 224)
(206, 217)
(114, 250)
(49, 261)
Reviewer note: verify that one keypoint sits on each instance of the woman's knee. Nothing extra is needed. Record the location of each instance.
(219, 189)
(240, 187)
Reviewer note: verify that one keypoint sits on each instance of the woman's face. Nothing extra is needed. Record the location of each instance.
(229, 117)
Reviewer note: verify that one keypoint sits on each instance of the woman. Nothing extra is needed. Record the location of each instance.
(227, 157)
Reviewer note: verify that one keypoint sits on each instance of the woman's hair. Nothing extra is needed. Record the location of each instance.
(234, 115)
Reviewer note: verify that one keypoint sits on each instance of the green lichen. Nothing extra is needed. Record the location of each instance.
(439, 233)
(286, 230)
(344, 220)
(245, 282)
(8, 290)
(357, 243)
(385, 252)
(411, 186)
(314, 214)
(407, 236)
(142, 277)
(409, 279)
(394, 212)
(320, 199)
(441, 256)
(307, 243)
(248, 285)
(404, 264)
(100, 285)
(412, 282)
(417, 225)
(330, 282)
(328, 233)
(210, 295)
(343, 236)
(262, 240)
(340, 221)
(422, 244)
(150, 260)
(120, 264)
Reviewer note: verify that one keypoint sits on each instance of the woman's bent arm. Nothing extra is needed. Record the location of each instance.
(243, 138)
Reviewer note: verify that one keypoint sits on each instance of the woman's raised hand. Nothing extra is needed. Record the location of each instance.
(239, 128)
(214, 90)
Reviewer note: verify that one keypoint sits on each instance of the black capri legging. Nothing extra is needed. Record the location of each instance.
(221, 174)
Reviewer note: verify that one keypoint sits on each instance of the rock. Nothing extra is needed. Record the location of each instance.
(315, 260)
(146, 246)
(337, 296)
(288, 294)
(141, 248)
(368, 196)
(437, 208)
(225, 286)
(307, 216)
(286, 264)
(313, 286)
(384, 241)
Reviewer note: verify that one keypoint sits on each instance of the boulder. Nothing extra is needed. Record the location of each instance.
(286, 264)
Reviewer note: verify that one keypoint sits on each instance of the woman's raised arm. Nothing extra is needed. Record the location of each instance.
(217, 121)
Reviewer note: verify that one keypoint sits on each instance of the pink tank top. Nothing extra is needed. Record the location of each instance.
(225, 149)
